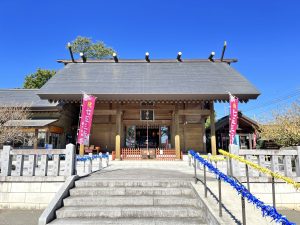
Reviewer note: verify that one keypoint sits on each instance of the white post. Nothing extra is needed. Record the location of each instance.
(70, 160)
(107, 159)
(44, 165)
(262, 163)
(297, 161)
(90, 163)
(32, 165)
(6, 161)
(56, 165)
(20, 165)
(100, 161)
(287, 162)
(235, 165)
(274, 163)
(252, 172)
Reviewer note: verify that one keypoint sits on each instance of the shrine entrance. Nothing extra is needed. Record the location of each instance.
(152, 135)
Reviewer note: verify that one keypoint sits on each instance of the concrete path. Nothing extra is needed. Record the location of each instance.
(19, 217)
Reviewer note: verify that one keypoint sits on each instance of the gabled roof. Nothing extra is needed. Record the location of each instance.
(224, 121)
(157, 80)
(29, 123)
(25, 98)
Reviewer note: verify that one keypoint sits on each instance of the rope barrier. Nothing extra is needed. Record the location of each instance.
(261, 169)
(87, 157)
(213, 157)
(242, 190)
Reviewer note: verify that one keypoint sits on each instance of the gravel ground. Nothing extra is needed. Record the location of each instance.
(19, 217)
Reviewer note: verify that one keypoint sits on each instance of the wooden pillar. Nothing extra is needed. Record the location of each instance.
(203, 119)
(212, 129)
(118, 134)
(177, 136)
(35, 140)
(81, 149)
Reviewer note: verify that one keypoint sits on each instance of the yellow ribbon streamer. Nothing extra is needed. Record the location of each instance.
(261, 169)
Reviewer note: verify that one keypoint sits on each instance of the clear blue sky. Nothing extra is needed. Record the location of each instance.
(263, 35)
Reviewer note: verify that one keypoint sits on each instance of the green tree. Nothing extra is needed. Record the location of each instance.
(207, 122)
(97, 50)
(38, 79)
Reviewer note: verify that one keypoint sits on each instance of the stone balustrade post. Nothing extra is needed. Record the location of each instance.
(107, 159)
(100, 161)
(44, 165)
(262, 163)
(252, 172)
(70, 160)
(297, 161)
(32, 164)
(235, 165)
(90, 163)
(274, 163)
(56, 165)
(287, 163)
(20, 165)
(6, 161)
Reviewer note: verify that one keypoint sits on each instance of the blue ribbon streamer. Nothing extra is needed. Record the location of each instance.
(267, 210)
(87, 157)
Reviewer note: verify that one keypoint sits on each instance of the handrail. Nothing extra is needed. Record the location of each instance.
(261, 169)
(242, 190)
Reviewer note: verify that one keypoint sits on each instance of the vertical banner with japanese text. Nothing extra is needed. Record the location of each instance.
(87, 111)
(234, 101)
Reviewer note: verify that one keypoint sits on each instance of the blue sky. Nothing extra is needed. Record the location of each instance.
(263, 35)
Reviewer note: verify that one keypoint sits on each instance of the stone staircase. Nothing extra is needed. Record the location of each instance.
(124, 202)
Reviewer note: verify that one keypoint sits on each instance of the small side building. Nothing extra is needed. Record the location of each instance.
(49, 122)
(246, 132)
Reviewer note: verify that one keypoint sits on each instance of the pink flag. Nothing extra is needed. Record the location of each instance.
(87, 111)
(234, 101)
(254, 140)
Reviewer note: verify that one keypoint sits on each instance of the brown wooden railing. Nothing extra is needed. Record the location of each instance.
(158, 154)
(166, 154)
(131, 154)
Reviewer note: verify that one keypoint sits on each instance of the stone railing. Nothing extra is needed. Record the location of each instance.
(284, 161)
(27, 159)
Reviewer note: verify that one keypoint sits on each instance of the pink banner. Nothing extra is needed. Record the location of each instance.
(233, 117)
(254, 140)
(87, 111)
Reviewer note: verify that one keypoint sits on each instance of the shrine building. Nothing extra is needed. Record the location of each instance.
(140, 103)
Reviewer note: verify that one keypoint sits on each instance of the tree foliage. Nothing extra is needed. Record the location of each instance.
(38, 79)
(97, 50)
(12, 133)
(285, 127)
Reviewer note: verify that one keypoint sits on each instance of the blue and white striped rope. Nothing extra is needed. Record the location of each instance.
(267, 210)
(87, 157)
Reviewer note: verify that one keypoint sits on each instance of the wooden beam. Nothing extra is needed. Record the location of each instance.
(105, 112)
(194, 112)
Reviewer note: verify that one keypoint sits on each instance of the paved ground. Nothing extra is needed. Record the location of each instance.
(19, 217)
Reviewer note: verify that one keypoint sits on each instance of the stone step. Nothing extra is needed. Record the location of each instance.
(133, 191)
(129, 201)
(129, 212)
(128, 221)
(132, 183)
